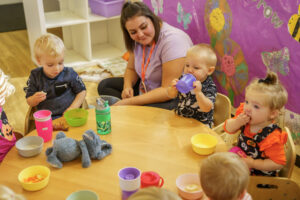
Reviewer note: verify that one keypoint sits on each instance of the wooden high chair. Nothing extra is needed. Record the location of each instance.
(29, 119)
(290, 153)
(229, 139)
(289, 147)
(281, 188)
(222, 109)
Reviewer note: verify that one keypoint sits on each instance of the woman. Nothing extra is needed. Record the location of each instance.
(157, 52)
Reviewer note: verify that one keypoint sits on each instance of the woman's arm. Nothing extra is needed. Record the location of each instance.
(130, 78)
(170, 70)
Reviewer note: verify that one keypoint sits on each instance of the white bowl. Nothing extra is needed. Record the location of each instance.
(189, 180)
(83, 194)
(30, 146)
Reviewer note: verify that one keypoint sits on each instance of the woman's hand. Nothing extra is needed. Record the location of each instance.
(127, 93)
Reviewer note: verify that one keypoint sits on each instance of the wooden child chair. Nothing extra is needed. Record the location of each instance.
(280, 188)
(222, 109)
(289, 147)
(290, 153)
(29, 119)
(222, 112)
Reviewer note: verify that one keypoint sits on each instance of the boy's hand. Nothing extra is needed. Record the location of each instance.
(242, 119)
(127, 93)
(197, 86)
(39, 96)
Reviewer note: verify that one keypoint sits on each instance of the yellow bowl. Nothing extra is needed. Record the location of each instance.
(203, 143)
(34, 178)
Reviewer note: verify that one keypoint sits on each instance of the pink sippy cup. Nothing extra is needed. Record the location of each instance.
(238, 151)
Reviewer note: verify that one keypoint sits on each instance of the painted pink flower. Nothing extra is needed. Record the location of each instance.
(227, 65)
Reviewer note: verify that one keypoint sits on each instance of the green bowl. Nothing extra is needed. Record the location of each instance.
(76, 117)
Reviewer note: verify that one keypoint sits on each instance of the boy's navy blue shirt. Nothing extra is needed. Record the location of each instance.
(61, 90)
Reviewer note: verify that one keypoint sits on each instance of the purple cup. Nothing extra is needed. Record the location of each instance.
(130, 181)
(127, 194)
(185, 84)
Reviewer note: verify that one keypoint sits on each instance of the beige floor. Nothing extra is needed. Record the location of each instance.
(15, 61)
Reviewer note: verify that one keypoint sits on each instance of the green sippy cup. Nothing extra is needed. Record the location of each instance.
(103, 119)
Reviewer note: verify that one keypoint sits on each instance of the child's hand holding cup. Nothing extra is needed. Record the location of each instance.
(185, 84)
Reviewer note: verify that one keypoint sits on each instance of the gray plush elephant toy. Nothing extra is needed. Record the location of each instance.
(66, 149)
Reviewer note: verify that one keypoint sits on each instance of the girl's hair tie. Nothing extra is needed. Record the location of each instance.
(265, 81)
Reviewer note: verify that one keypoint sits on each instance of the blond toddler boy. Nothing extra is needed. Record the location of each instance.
(225, 176)
(53, 86)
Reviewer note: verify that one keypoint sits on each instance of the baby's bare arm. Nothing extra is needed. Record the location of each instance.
(234, 124)
(172, 90)
(204, 103)
(264, 165)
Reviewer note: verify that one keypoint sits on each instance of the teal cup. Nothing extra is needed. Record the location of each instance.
(83, 195)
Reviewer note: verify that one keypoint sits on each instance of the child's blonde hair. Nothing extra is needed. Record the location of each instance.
(154, 193)
(224, 176)
(271, 87)
(6, 88)
(205, 52)
(8, 194)
(48, 44)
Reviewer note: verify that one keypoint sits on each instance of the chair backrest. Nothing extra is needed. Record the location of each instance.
(222, 109)
(280, 188)
(29, 119)
(290, 153)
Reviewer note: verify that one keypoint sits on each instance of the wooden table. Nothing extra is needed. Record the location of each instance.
(150, 139)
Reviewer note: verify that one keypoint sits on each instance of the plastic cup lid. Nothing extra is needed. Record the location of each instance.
(42, 115)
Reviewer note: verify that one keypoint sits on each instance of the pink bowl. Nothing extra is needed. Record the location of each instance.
(183, 181)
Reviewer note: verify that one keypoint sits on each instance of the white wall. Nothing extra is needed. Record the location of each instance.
(3, 2)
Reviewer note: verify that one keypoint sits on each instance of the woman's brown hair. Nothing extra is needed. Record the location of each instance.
(132, 9)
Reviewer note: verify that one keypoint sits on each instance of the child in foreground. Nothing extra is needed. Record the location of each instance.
(154, 193)
(200, 61)
(261, 138)
(7, 194)
(8, 138)
(225, 176)
(53, 86)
